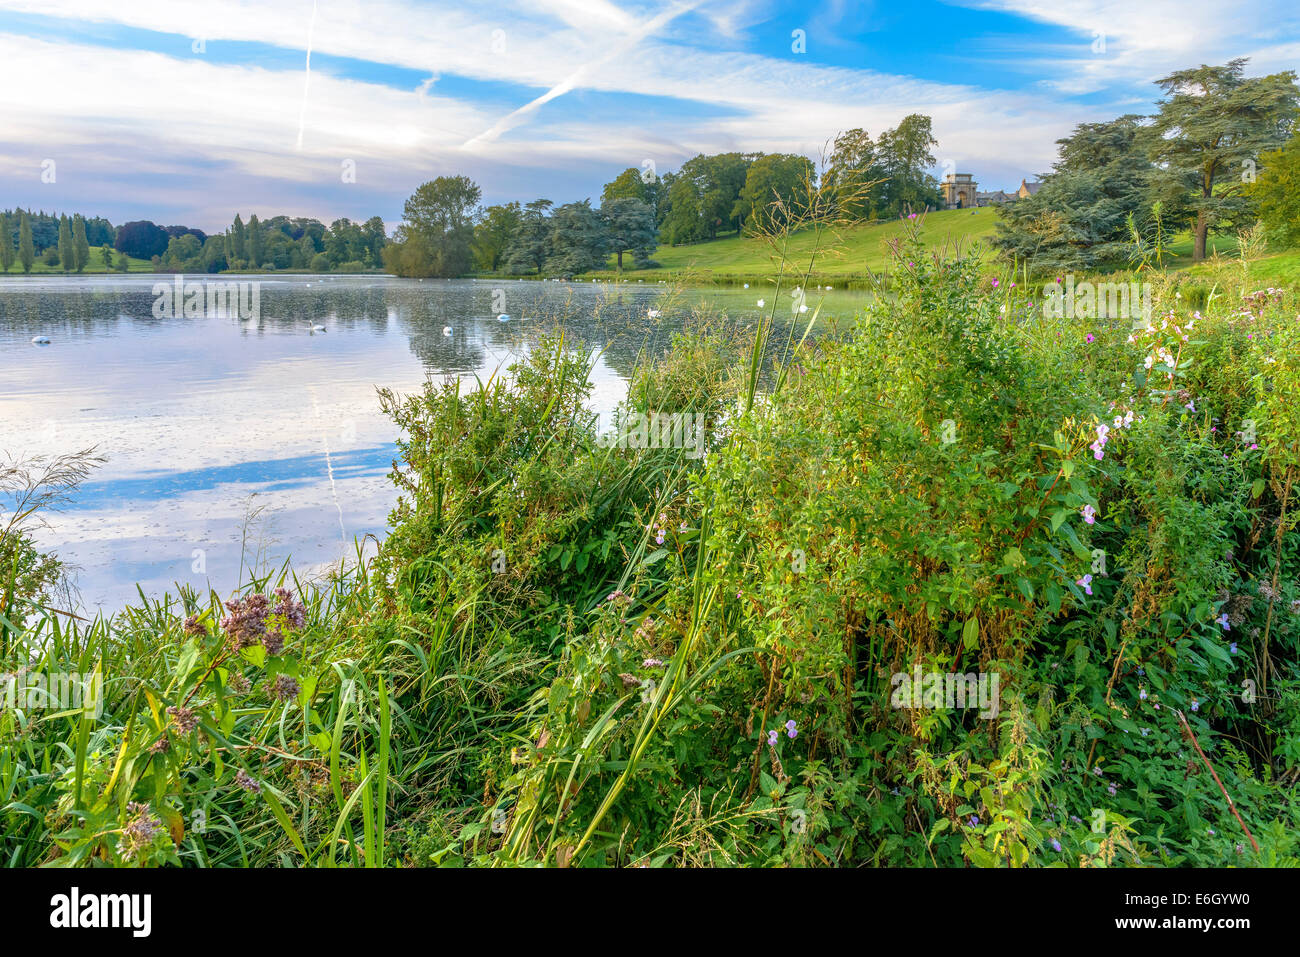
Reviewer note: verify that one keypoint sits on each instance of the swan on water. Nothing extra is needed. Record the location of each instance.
(653, 313)
(315, 328)
(446, 330)
(503, 318)
(41, 341)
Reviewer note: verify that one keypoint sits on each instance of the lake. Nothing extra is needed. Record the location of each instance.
(234, 442)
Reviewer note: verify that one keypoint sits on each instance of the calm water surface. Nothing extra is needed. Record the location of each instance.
(233, 443)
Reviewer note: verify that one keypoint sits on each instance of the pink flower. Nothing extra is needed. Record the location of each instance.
(1089, 338)
(1089, 514)
(1086, 582)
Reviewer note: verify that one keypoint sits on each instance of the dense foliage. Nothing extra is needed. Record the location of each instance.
(575, 652)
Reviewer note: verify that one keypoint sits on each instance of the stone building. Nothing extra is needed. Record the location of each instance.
(960, 191)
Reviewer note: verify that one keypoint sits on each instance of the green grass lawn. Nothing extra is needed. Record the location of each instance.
(850, 253)
(847, 255)
(96, 265)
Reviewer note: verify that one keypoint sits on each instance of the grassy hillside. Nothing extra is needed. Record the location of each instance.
(851, 253)
(854, 250)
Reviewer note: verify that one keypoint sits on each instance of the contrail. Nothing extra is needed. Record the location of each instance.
(306, 83)
(329, 465)
(568, 83)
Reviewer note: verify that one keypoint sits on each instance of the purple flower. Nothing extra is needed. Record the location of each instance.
(1196, 705)
(659, 536)
(1232, 648)
(1112, 789)
(1090, 338)
(284, 688)
(1086, 583)
(771, 737)
(790, 729)
(1056, 845)
(1223, 620)
(974, 820)
(1089, 514)
(1143, 694)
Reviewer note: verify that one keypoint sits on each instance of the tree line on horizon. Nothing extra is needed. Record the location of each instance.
(280, 242)
(446, 233)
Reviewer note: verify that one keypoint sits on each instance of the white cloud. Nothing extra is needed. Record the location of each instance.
(149, 109)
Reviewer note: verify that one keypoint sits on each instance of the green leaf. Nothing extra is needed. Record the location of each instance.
(970, 634)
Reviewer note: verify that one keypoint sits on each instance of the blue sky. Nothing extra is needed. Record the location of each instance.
(186, 111)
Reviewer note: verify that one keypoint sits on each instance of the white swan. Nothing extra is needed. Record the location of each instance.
(315, 328)
(446, 330)
(503, 318)
(41, 341)
(653, 313)
(760, 304)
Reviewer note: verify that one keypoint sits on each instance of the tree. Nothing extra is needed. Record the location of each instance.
(375, 239)
(1276, 194)
(903, 156)
(771, 186)
(141, 239)
(1080, 217)
(493, 234)
(81, 244)
(238, 239)
(67, 252)
(683, 219)
(580, 240)
(106, 253)
(530, 246)
(437, 233)
(626, 185)
(26, 251)
(1213, 123)
(255, 243)
(6, 243)
(630, 226)
(852, 176)
(702, 197)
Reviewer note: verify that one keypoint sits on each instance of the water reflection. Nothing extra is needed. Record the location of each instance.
(231, 441)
